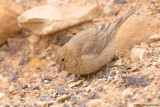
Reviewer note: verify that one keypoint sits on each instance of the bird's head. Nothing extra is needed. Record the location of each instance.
(61, 58)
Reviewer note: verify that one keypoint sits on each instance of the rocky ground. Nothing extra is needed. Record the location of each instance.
(28, 76)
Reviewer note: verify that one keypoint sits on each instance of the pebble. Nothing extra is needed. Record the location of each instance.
(41, 104)
(73, 84)
(108, 10)
(51, 64)
(47, 79)
(12, 76)
(99, 89)
(70, 102)
(89, 88)
(12, 89)
(33, 38)
(2, 95)
(93, 95)
(18, 1)
(138, 54)
(108, 75)
(132, 70)
(96, 103)
(24, 86)
(118, 62)
(62, 98)
(15, 44)
(23, 61)
(110, 79)
(60, 90)
(117, 71)
(126, 92)
(36, 88)
(85, 83)
(154, 38)
(120, 1)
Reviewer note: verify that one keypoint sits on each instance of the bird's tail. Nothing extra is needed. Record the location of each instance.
(110, 30)
(113, 27)
(126, 16)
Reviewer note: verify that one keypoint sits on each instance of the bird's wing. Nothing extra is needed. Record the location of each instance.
(102, 36)
(98, 41)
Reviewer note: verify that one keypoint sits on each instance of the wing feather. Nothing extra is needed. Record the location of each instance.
(102, 36)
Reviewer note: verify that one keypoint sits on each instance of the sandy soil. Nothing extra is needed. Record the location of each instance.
(28, 76)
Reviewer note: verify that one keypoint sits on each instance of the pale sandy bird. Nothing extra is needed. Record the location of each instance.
(90, 49)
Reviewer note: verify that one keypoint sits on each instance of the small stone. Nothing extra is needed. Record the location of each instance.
(23, 61)
(70, 102)
(99, 89)
(73, 84)
(41, 104)
(50, 104)
(132, 70)
(12, 76)
(62, 98)
(154, 38)
(15, 44)
(12, 89)
(96, 103)
(112, 72)
(51, 64)
(117, 71)
(60, 90)
(51, 91)
(135, 82)
(110, 79)
(108, 75)
(108, 10)
(118, 62)
(47, 79)
(85, 84)
(36, 88)
(2, 95)
(18, 1)
(33, 38)
(89, 88)
(126, 92)
(25, 86)
(120, 1)
(138, 54)
(93, 95)
(18, 105)
(24, 33)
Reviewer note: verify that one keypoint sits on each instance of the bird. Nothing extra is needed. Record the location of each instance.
(90, 49)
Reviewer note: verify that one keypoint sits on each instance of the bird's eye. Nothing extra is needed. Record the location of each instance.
(63, 59)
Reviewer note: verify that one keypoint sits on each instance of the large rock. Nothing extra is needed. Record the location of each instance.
(54, 17)
(135, 30)
(9, 12)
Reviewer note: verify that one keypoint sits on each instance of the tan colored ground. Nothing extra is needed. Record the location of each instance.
(28, 76)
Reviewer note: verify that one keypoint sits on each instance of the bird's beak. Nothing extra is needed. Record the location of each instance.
(60, 68)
